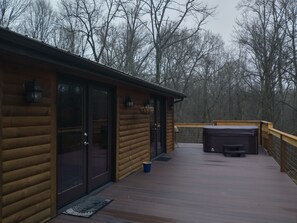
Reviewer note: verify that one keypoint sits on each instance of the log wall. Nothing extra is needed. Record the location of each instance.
(169, 126)
(133, 133)
(1, 96)
(28, 140)
(28, 143)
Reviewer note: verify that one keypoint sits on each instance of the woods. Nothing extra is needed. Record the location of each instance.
(168, 42)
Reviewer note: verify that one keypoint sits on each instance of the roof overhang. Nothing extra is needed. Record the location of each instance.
(15, 43)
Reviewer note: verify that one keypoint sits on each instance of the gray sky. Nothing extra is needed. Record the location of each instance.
(224, 19)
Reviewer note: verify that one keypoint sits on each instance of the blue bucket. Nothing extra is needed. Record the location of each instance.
(147, 167)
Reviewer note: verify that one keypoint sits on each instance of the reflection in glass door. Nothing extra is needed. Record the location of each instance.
(71, 152)
(99, 155)
(157, 128)
(83, 139)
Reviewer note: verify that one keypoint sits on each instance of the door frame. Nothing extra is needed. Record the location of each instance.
(162, 101)
(91, 185)
(87, 84)
(78, 190)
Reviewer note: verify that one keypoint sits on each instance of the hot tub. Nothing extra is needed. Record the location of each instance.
(215, 138)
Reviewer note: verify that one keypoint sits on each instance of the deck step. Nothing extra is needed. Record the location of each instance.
(235, 150)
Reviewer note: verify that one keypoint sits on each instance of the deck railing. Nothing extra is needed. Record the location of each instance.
(282, 146)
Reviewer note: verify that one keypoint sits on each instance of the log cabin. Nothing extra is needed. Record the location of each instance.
(70, 126)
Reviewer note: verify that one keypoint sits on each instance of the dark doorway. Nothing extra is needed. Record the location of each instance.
(84, 139)
(157, 130)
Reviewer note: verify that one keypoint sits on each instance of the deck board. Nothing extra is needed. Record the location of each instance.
(200, 187)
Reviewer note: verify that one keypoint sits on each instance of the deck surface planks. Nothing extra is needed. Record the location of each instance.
(200, 187)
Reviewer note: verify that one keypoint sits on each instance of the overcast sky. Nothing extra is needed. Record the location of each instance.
(224, 19)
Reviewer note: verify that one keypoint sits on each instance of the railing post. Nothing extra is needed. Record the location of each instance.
(261, 134)
(269, 150)
(283, 155)
(269, 144)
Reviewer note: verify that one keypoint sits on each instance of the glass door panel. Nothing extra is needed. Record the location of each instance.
(70, 149)
(83, 139)
(153, 131)
(100, 137)
(157, 128)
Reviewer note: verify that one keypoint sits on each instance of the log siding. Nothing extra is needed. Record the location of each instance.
(1, 135)
(169, 126)
(133, 133)
(28, 144)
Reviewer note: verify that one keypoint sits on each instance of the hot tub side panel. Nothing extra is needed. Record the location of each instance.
(215, 139)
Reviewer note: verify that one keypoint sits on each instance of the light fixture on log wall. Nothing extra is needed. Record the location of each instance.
(128, 102)
(33, 92)
(148, 107)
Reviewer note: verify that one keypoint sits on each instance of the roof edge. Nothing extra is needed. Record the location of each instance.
(22, 45)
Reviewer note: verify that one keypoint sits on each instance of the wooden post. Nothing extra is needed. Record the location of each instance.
(283, 155)
(269, 145)
(269, 150)
(261, 133)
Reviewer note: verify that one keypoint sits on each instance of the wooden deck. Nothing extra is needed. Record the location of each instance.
(200, 187)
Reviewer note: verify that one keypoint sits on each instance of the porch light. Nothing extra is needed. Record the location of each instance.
(128, 102)
(149, 103)
(33, 92)
(148, 107)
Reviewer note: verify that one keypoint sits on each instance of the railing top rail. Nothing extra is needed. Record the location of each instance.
(192, 125)
(238, 121)
(267, 123)
(291, 139)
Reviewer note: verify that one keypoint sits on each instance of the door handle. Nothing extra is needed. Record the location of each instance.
(86, 143)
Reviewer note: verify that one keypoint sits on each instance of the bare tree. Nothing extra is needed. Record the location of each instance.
(163, 25)
(95, 19)
(66, 37)
(68, 34)
(194, 66)
(113, 53)
(136, 47)
(213, 80)
(291, 34)
(181, 61)
(39, 21)
(260, 32)
(291, 55)
(11, 11)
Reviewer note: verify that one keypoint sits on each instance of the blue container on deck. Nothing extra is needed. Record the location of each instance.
(147, 167)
